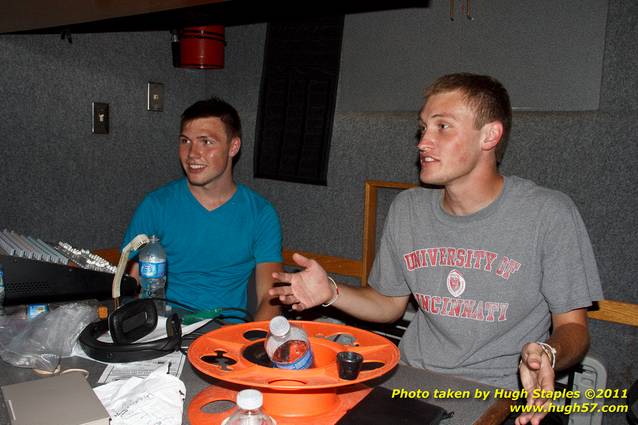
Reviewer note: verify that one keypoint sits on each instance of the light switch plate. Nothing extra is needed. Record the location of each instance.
(100, 118)
(155, 97)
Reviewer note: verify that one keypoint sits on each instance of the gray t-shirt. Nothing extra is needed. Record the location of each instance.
(486, 283)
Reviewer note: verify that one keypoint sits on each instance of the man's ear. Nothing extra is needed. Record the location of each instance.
(492, 134)
(235, 145)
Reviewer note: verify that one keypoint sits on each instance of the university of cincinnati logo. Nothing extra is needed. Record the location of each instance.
(455, 283)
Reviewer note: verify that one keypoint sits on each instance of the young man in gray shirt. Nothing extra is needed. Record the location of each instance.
(493, 261)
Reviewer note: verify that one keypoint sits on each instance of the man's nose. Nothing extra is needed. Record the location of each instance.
(425, 142)
(194, 150)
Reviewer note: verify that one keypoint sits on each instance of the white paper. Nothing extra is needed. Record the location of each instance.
(116, 371)
(155, 400)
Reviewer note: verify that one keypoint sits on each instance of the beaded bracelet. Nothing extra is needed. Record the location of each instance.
(550, 351)
(334, 284)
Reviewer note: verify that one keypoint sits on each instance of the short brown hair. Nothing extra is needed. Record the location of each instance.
(216, 108)
(485, 95)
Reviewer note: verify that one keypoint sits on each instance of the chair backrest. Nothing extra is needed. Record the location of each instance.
(370, 221)
(590, 373)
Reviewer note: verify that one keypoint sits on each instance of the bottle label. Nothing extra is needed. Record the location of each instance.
(33, 310)
(303, 362)
(152, 270)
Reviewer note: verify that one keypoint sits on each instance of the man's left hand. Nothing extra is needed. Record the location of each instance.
(536, 373)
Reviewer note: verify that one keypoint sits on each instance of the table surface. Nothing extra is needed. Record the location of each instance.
(466, 410)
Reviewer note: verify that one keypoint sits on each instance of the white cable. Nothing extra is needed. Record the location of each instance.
(135, 244)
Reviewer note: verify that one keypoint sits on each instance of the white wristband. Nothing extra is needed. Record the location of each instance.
(336, 295)
(550, 351)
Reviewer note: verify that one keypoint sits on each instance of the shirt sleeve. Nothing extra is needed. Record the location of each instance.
(570, 274)
(144, 221)
(268, 237)
(386, 275)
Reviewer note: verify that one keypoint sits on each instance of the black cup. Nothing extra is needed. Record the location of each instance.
(349, 364)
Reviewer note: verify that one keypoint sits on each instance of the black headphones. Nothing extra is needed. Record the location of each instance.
(127, 324)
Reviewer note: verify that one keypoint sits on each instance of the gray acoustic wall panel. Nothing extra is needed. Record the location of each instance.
(548, 53)
(60, 182)
(619, 90)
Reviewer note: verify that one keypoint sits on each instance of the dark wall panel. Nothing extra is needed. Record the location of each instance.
(297, 100)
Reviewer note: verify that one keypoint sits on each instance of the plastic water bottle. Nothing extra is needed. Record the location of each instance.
(288, 346)
(249, 410)
(152, 259)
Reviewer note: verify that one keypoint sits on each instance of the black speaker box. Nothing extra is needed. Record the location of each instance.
(28, 281)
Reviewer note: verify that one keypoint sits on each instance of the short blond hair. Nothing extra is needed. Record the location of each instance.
(485, 95)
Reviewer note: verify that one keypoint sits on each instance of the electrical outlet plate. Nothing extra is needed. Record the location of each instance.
(155, 97)
(100, 118)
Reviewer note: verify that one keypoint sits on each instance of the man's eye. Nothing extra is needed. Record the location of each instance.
(209, 141)
(443, 126)
(183, 141)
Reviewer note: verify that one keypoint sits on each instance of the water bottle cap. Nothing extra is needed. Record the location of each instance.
(249, 399)
(279, 326)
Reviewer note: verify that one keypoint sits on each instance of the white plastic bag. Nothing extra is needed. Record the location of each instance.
(39, 343)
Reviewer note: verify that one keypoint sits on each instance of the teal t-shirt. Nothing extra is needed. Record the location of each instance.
(210, 254)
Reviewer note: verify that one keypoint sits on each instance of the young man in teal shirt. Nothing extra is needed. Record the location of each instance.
(215, 231)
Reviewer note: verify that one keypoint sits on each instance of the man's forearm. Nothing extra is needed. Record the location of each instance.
(369, 305)
(571, 342)
(266, 310)
(267, 306)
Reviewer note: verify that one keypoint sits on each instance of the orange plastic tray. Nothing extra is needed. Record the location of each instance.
(317, 394)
